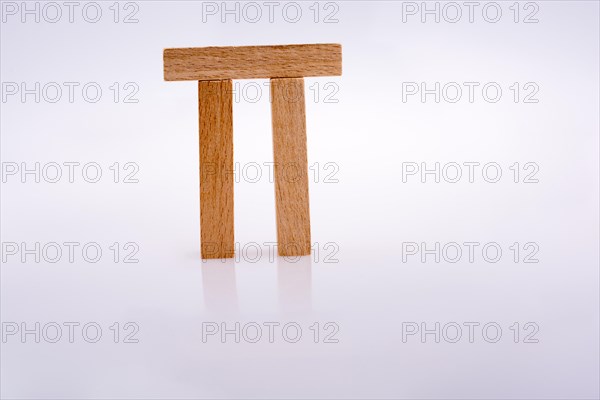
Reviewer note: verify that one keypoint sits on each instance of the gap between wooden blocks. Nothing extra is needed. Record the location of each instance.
(286, 66)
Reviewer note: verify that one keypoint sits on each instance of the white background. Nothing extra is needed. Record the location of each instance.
(361, 221)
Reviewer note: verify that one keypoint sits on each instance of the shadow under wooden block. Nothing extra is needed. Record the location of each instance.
(290, 166)
(216, 168)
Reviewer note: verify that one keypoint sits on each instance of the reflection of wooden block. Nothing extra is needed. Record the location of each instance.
(216, 168)
(286, 66)
(252, 62)
(291, 166)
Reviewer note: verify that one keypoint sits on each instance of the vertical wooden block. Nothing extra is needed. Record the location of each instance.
(291, 166)
(216, 168)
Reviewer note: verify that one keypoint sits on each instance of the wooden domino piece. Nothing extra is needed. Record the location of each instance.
(215, 106)
(290, 166)
(252, 62)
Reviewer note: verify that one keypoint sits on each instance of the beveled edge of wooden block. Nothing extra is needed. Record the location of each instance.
(333, 68)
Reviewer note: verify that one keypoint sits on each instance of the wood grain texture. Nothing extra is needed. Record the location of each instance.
(216, 167)
(252, 62)
(291, 166)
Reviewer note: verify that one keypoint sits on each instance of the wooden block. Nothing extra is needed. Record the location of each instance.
(252, 62)
(216, 168)
(291, 166)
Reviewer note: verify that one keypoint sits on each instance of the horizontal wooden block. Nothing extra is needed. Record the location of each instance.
(252, 62)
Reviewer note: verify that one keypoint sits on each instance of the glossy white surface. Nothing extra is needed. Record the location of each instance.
(361, 221)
